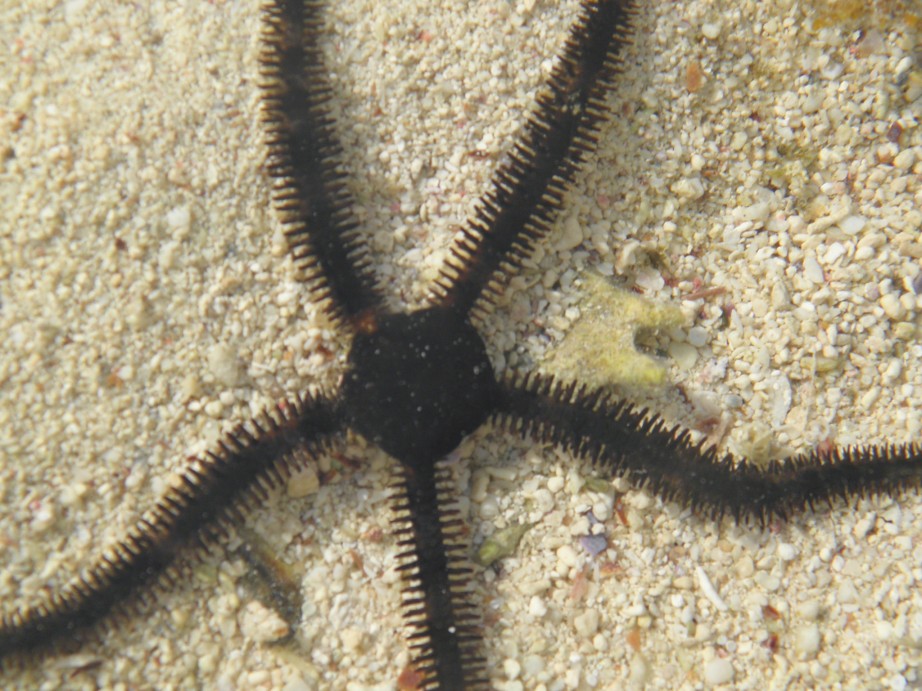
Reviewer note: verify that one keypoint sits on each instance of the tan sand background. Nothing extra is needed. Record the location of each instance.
(147, 305)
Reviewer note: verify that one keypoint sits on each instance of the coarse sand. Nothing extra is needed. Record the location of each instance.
(763, 173)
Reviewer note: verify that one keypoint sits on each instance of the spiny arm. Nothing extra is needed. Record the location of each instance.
(528, 189)
(194, 512)
(618, 438)
(310, 193)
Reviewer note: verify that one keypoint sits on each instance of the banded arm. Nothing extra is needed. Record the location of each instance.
(528, 188)
(304, 155)
(194, 512)
(444, 633)
(618, 438)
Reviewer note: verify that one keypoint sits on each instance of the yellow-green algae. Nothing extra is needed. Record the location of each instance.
(600, 349)
(501, 544)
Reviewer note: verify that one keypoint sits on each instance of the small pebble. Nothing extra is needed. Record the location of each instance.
(353, 640)
(43, 517)
(534, 665)
(587, 623)
(810, 610)
(222, 363)
(786, 551)
(892, 306)
(684, 354)
(303, 483)
(697, 336)
(813, 272)
(852, 225)
(571, 234)
(214, 409)
(639, 670)
(710, 30)
(835, 250)
(594, 544)
(537, 607)
(757, 213)
(567, 557)
(917, 283)
(179, 219)
(260, 624)
(689, 188)
(718, 671)
(904, 159)
(807, 641)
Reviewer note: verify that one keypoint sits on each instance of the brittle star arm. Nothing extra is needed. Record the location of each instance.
(618, 439)
(304, 159)
(207, 494)
(444, 633)
(528, 188)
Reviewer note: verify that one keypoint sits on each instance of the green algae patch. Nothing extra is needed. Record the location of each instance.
(600, 349)
(501, 544)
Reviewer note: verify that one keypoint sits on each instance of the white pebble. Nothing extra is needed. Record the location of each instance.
(566, 557)
(904, 159)
(214, 409)
(684, 354)
(544, 500)
(353, 640)
(864, 526)
(758, 212)
(835, 250)
(893, 371)
(782, 398)
(303, 483)
(780, 296)
(718, 671)
(689, 188)
(260, 624)
(813, 272)
(587, 623)
(571, 235)
(811, 103)
(832, 70)
(639, 671)
(786, 551)
(697, 336)
(534, 665)
(852, 224)
(847, 593)
(892, 306)
(222, 363)
(179, 219)
(810, 610)
(710, 30)
(537, 607)
(512, 668)
(710, 592)
(807, 640)
(43, 517)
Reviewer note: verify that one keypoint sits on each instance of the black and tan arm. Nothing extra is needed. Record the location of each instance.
(618, 438)
(444, 626)
(528, 188)
(193, 513)
(304, 160)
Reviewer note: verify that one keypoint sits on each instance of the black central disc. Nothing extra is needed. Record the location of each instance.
(418, 384)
